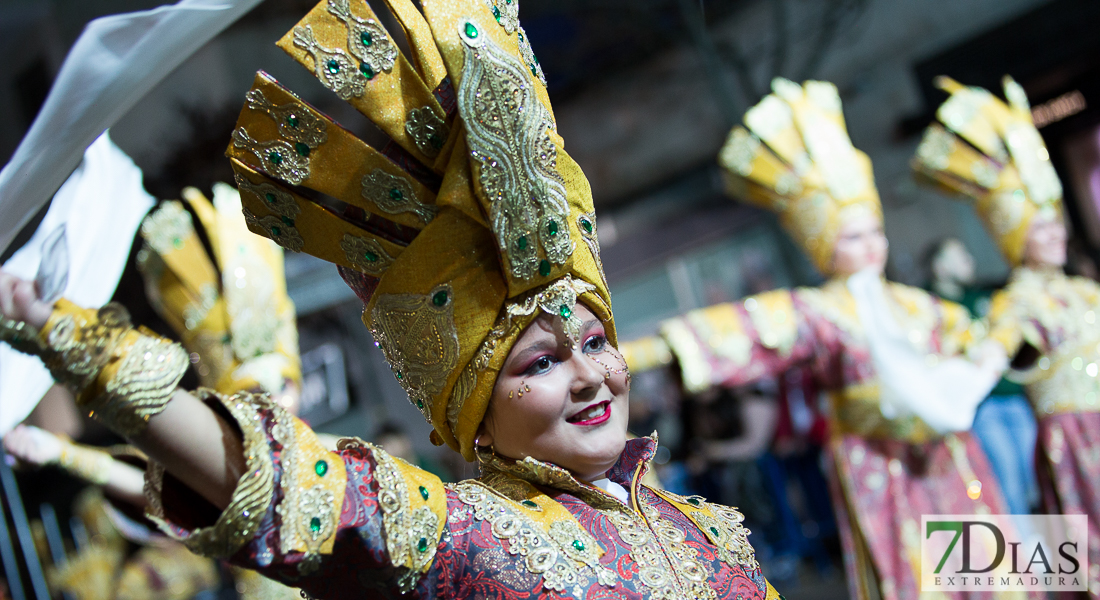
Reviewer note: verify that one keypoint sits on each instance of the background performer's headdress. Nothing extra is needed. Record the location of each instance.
(467, 225)
(991, 152)
(230, 310)
(795, 159)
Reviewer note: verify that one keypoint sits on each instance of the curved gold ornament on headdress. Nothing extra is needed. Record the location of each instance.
(793, 157)
(990, 151)
(470, 223)
(230, 310)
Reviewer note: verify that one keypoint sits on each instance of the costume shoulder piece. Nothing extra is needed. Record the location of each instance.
(229, 307)
(793, 157)
(989, 151)
(469, 223)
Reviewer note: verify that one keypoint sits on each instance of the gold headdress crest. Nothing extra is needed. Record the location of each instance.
(794, 157)
(464, 227)
(991, 152)
(230, 309)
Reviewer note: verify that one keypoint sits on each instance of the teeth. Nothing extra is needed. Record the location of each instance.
(591, 413)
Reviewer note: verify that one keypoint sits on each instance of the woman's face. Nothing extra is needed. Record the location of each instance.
(860, 244)
(1046, 243)
(560, 405)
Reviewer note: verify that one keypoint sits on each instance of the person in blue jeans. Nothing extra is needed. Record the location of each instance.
(1004, 423)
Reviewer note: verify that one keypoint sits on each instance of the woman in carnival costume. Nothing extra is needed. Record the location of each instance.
(901, 395)
(990, 152)
(471, 239)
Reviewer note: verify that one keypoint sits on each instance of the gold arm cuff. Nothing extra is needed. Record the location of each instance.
(252, 498)
(87, 463)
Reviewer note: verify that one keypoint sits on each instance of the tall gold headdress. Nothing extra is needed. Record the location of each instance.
(470, 222)
(795, 159)
(231, 310)
(991, 152)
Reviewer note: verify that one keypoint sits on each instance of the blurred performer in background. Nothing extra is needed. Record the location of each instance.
(902, 397)
(1004, 423)
(472, 242)
(990, 152)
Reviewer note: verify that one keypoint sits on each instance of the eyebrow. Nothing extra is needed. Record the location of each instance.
(539, 346)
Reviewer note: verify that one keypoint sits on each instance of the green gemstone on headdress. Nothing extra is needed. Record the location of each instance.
(544, 267)
(303, 149)
(529, 504)
(693, 501)
(270, 197)
(366, 38)
(366, 70)
(496, 13)
(587, 225)
(420, 404)
(275, 157)
(565, 311)
(399, 375)
(521, 242)
(320, 468)
(424, 492)
(579, 545)
(292, 120)
(275, 231)
(435, 140)
(471, 31)
(533, 71)
(439, 298)
(177, 242)
(288, 221)
(422, 545)
(333, 66)
(714, 530)
(552, 227)
(370, 256)
(315, 525)
(397, 195)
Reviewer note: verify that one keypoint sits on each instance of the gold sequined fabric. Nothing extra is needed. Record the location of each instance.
(793, 157)
(989, 151)
(465, 228)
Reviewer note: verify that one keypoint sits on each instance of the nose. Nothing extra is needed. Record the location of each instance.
(587, 376)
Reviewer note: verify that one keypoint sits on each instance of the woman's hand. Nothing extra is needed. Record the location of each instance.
(19, 301)
(32, 445)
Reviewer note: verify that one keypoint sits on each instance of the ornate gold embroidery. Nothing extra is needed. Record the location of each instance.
(278, 157)
(367, 41)
(654, 569)
(418, 337)
(725, 530)
(167, 227)
(565, 559)
(279, 201)
(142, 386)
(508, 133)
(773, 316)
(251, 499)
(296, 123)
(412, 535)
(195, 314)
(427, 130)
(464, 385)
(507, 14)
(333, 67)
(395, 195)
(281, 230)
(85, 462)
(587, 225)
(366, 254)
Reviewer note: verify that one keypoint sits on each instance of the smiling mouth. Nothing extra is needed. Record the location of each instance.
(593, 415)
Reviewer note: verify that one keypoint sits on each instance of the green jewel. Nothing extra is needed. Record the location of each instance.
(520, 34)
(552, 227)
(367, 72)
(714, 530)
(370, 256)
(439, 298)
(471, 31)
(302, 149)
(397, 195)
(587, 225)
(333, 66)
(420, 404)
(422, 545)
(365, 38)
(435, 141)
(544, 267)
(529, 504)
(177, 242)
(292, 120)
(315, 525)
(533, 71)
(288, 221)
(399, 375)
(693, 501)
(320, 468)
(424, 492)
(270, 197)
(275, 157)
(565, 311)
(275, 231)
(578, 545)
(521, 242)
(496, 13)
